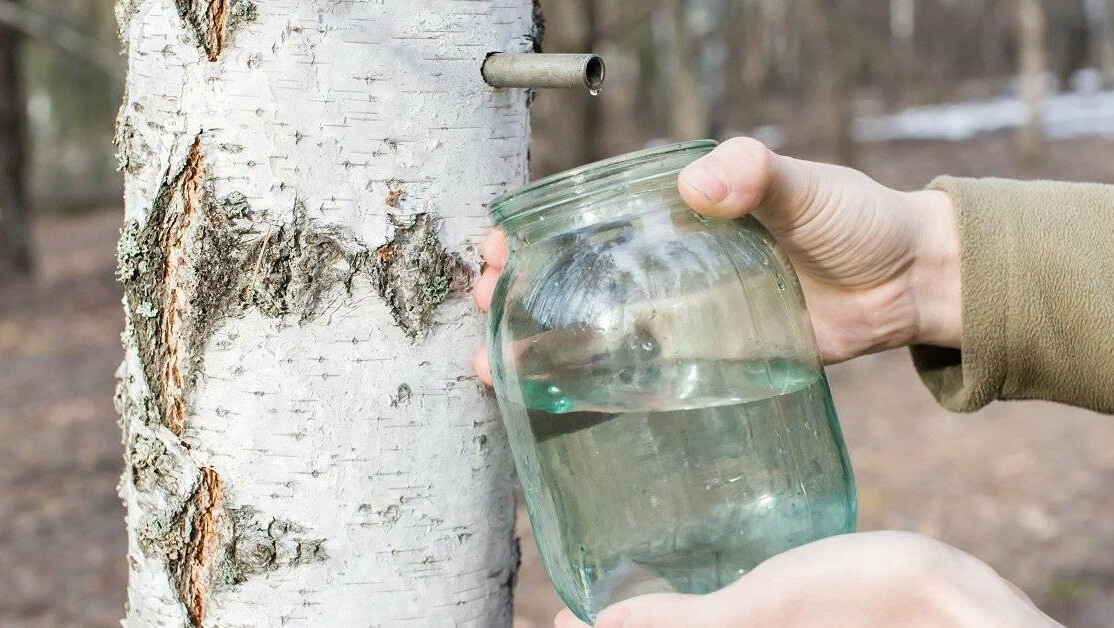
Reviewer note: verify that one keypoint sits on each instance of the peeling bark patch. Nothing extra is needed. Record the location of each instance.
(175, 307)
(211, 21)
(179, 273)
(414, 274)
(195, 572)
(209, 545)
(200, 260)
(394, 193)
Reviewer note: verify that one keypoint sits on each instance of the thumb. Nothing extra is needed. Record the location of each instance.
(667, 610)
(730, 181)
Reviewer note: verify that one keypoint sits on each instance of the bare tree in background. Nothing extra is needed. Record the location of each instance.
(591, 108)
(903, 28)
(1032, 62)
(833, 26)
(15, 229)
(1097, 13)
(756, 58)
(743, 31)
(688, 112)
(305, 188)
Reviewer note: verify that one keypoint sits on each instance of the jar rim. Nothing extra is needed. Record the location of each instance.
(556, 189)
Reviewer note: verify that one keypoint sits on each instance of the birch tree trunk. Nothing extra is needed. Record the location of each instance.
(305, 185)
(15, 229)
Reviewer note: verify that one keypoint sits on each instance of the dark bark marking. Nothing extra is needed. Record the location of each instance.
(402, 396)
(510, 578)
(177, 273)
(209, 545)
(212, 20)
(537, 33)
(297, 264)
(200, 260)
(260, 546)
(414, 274)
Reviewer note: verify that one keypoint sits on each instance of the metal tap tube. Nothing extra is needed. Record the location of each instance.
(541, 70)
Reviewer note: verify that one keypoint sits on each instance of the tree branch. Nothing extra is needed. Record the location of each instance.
(62, 36)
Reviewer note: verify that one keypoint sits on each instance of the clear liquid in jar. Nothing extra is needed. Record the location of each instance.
(681, 496)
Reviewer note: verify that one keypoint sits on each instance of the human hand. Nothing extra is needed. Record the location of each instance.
(867, 579)
(879, 267)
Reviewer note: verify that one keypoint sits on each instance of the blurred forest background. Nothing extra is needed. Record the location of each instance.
(903, 89)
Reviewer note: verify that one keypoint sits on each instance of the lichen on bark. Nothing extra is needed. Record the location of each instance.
(132, 150)
(179, 272)
(150, 464)
(208, 545)
(414, 274)
(297, 264)
(199, 260)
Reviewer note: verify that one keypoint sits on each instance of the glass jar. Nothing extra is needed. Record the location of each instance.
(660, 384)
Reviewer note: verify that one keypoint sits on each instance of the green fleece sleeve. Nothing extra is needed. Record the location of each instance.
(1037, 265)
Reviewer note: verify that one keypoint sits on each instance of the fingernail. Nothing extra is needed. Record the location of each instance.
(705, 181)
(615, 617)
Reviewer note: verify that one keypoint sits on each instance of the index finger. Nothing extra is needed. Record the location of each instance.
(495, 249)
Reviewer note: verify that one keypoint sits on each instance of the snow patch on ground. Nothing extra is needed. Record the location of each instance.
(1081, 113)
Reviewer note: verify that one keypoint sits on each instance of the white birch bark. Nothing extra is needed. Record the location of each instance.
(305, 185)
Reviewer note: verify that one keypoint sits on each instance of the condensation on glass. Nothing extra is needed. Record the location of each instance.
(660, 384)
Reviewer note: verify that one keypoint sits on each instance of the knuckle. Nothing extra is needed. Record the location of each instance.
(747, 147)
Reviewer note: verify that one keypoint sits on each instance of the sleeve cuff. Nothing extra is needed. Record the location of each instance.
(1035, 266)
(968, 379)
